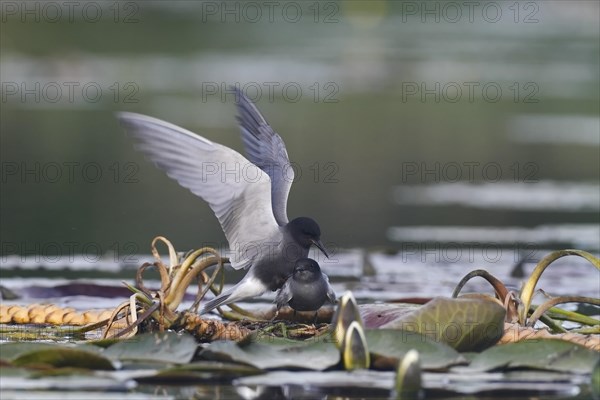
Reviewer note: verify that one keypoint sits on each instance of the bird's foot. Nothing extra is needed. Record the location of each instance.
(275, 316)
(315, 318)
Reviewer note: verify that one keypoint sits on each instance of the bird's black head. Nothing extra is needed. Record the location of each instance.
(307, 232)
(306, 270)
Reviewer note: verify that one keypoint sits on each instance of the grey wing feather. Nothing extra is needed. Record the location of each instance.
(243, 207)
(265, 148)
(216, 302)
(330, 293)
(284, 295)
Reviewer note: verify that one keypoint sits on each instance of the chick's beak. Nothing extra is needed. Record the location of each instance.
(320, 246)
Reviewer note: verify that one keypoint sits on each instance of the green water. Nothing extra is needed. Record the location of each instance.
(379, 97)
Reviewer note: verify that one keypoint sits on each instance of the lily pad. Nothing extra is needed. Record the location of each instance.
(523, 384)
(166, 347)
(60, 357)
(393, 344)
(380, 383)
(377, 314)
(466, 324)
(203, 370)
(547, 354)
(12, 372)
(274, 354)
(10, 351)
(362, 378)
(30, 388)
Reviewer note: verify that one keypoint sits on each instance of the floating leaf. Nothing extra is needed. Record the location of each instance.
(548, 354)
(12, 372)
(204, 370)
(61, 371)
(10, 351)
(521, 384)
(379, 384)
(466, 324)
(167, 347)
(73, 387)
(378, 314)
(361, 378)
(278, 353)
(60, 357)
(390, 345)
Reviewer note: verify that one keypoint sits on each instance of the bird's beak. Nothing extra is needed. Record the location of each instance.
(320, 246)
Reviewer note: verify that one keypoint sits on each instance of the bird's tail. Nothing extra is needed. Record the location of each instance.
(248, 287)
(218, 301)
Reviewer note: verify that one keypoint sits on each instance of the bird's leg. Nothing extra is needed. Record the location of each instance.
(315, 317)
(294, 317)
(276, 315)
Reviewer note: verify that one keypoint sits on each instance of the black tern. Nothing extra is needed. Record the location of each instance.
(307, 289)
(249, 198)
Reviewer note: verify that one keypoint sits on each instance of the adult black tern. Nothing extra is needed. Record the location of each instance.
(249, 198)
(307, 289)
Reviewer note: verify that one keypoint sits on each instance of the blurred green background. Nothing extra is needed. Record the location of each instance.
(407, 121)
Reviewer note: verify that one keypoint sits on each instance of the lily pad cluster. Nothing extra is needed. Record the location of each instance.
(424, 366)
(468, 344)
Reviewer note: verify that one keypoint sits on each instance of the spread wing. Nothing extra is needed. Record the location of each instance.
(238, 192)
(265, 148)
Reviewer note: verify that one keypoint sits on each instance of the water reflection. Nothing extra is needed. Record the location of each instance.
(555, 129)
(538, 196)
(578, 235)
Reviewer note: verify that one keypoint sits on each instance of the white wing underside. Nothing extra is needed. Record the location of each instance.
(238, 192)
